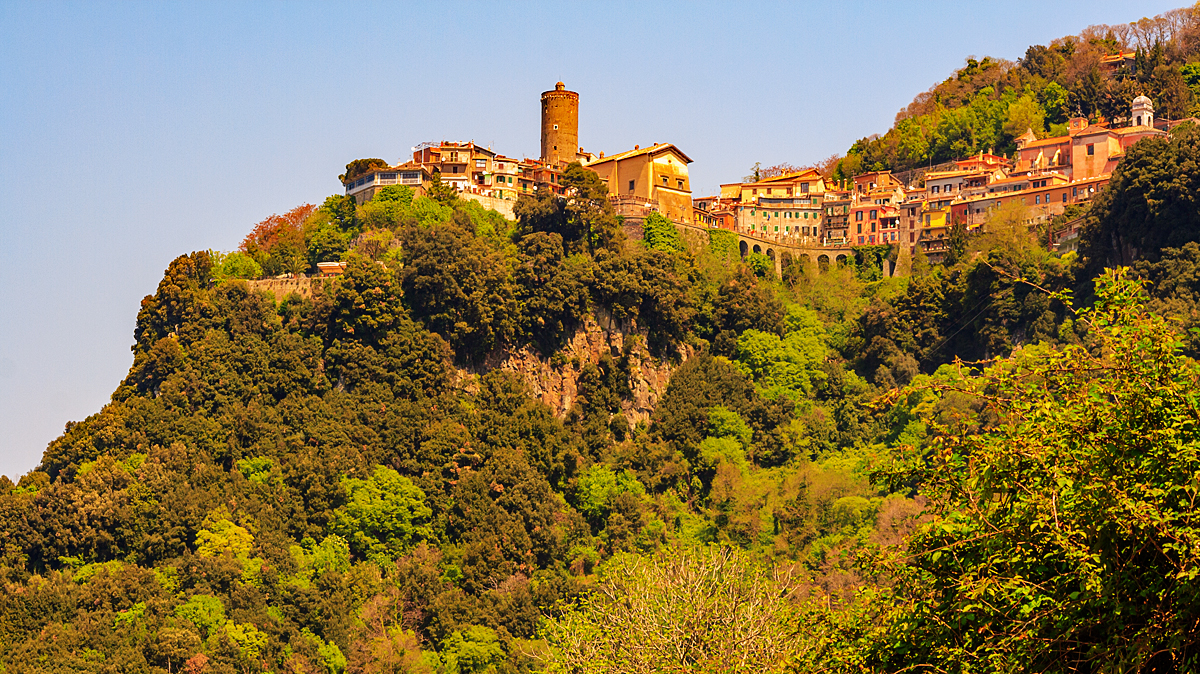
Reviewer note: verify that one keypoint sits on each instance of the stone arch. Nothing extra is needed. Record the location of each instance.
(758, 249)
(823, 262)
(841, 260)
(786, 260)
(771, 254)
(805, 261)
(743, 248)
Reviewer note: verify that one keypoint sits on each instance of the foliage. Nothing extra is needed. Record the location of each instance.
(1063, 532)
(583, 217)
(705, 610)
(234, 265)
(384, 515)
(1149, 204)
(723, 244)
(360, 167)
(659, 234)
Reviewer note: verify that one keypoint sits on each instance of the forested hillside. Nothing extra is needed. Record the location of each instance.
(989, 465)
(986, 105)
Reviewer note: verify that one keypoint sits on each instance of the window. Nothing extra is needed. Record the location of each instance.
(1037, 199)
(631, 185)
(804, 188)
(934, 189)
(480, 163)
(664, 181)
(859, 227)
(1091, 149)
(556, 127)
(1064, 196)
(1074, 191)
(872, 229)
(858, 216)
(874, 214)
(680, 182)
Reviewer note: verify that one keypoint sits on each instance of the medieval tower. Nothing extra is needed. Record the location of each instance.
(560, 125)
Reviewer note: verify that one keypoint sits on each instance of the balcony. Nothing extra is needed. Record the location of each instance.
(630, 206)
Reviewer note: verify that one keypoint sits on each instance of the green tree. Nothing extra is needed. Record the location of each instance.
(1063, 533)
(583, 215)
(360, 167)
(659, 234)
(1023, 114)
(384, 515)
(1149, 204)
(705, 610)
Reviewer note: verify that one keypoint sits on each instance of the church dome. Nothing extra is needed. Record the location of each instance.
(1142, 100)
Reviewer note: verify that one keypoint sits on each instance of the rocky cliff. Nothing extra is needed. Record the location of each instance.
(555, 381)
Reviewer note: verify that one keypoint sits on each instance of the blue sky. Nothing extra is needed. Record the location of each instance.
(134, 132)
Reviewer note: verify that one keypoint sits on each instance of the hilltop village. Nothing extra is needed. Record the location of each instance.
(795, 216)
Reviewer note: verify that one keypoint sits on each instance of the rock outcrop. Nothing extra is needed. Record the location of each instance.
(555, 381)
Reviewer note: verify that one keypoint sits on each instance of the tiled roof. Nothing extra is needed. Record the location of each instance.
(1056, 140)
(657, 147)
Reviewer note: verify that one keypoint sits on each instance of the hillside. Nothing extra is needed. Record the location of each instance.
(531, 445)
(986, 105)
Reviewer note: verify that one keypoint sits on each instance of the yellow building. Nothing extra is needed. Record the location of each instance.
(645, 179)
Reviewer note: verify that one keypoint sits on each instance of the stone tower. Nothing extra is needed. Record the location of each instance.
(560, 125)
(1143, 112)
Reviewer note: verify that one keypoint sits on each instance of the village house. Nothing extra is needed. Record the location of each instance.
(364, 187)
(714, 212)
(836, 223)
(642, 180)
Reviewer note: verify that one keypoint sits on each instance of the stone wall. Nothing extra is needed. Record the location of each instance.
(502, 206)
(281, 287)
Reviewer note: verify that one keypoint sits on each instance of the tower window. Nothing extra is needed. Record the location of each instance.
(631, 182)
(556, 127)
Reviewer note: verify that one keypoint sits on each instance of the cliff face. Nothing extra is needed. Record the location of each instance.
(555, 381)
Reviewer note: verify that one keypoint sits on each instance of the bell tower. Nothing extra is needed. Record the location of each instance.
(1143, 112)
(560, 125)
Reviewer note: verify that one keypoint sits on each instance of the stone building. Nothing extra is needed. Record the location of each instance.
(560, 126)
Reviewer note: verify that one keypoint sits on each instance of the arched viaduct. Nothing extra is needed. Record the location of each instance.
(809, 254)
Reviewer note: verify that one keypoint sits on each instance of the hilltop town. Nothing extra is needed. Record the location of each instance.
(459, 419)
(794, 217)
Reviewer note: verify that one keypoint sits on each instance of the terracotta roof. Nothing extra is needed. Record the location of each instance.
(657, 147)
(1118, 57)
(938, 175)
(1056, 140)
(789, 176)
(1016, 179)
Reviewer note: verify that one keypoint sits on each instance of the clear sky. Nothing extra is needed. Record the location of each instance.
(133, 132)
